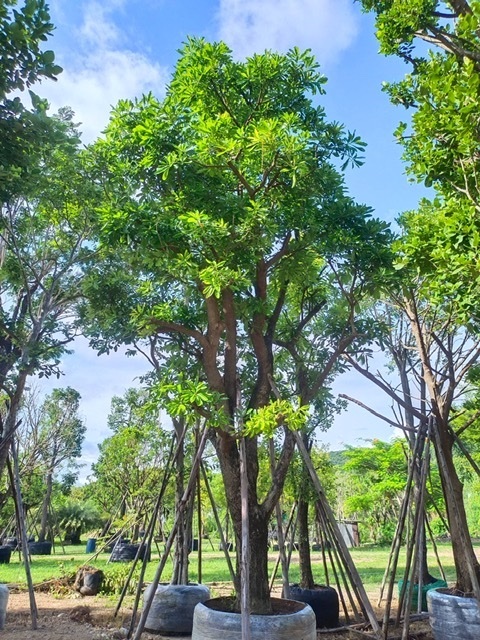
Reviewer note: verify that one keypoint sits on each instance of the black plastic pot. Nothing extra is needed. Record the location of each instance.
(324, 602)
(40, 548)
(127, 552)
(92, 581)
(5, 553)
(11, 542)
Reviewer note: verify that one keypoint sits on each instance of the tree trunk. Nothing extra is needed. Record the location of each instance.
(306, 574)
(466, 563)
(10, 422)
(259, 514)
(46, 506)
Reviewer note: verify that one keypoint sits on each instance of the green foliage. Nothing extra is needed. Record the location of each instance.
(264, 421)
(115, 576)
(24, 134)
(376, 477)
(76, 517)
(441, 146)
(130, 462)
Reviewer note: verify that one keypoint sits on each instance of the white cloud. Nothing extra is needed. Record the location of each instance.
(99, 70)
(251, 26)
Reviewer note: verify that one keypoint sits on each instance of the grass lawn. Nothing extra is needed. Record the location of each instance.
(369, 560)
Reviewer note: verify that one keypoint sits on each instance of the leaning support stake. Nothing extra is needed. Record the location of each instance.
(330, 518)
(15, 477)
(356, 581)
(173, 533)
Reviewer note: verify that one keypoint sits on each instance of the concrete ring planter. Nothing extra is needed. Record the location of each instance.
(453, 617)
(172, 607)
(290, 620)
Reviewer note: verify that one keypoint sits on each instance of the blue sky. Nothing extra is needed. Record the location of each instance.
(122, 48)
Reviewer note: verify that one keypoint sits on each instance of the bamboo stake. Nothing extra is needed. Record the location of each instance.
(355, 578)
(418, 526)
(245, 556)
(280, 536)
(287, 532)
(150, 533)
(199, 527)
(180, 509)
(323, 539)
(15, 476)
(397, 541)
(219, 524)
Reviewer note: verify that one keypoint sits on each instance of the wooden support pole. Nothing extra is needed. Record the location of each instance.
(280, 536)
(180, 509)
(15, 477)
(354, 576)
(223, 541)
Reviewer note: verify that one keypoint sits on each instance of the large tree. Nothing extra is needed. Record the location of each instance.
(438, 251)
(224, 204)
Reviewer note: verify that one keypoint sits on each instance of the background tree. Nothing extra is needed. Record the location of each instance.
(43, 252)
(441, 238)
(223, 202)
(61, 435)
(128, 472)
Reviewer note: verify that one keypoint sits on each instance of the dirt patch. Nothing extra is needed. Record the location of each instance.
(73, 617)
(69, 617)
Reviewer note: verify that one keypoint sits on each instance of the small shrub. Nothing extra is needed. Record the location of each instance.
(115, 577)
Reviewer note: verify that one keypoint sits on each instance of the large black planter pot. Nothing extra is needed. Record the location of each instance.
(40, 548)
(172, 607)
(127, 552)
(453, 617)
(324, 602)
(5, 553)
(290, 620)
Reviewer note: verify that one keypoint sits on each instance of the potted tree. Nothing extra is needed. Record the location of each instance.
(225, 212)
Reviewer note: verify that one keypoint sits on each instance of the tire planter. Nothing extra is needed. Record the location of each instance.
(40, 548)
(437, 584)
(3, 604)
(127, 552)
(172, 607)
(5, 553)
(324, 602)
(290, 620)
(453, 617)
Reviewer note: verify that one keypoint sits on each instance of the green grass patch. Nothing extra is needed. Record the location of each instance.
(370, 562)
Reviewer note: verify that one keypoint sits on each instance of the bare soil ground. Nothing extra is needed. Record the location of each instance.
(73, 617)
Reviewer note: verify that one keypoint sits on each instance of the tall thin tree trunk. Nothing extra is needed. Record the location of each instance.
(46, 506)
